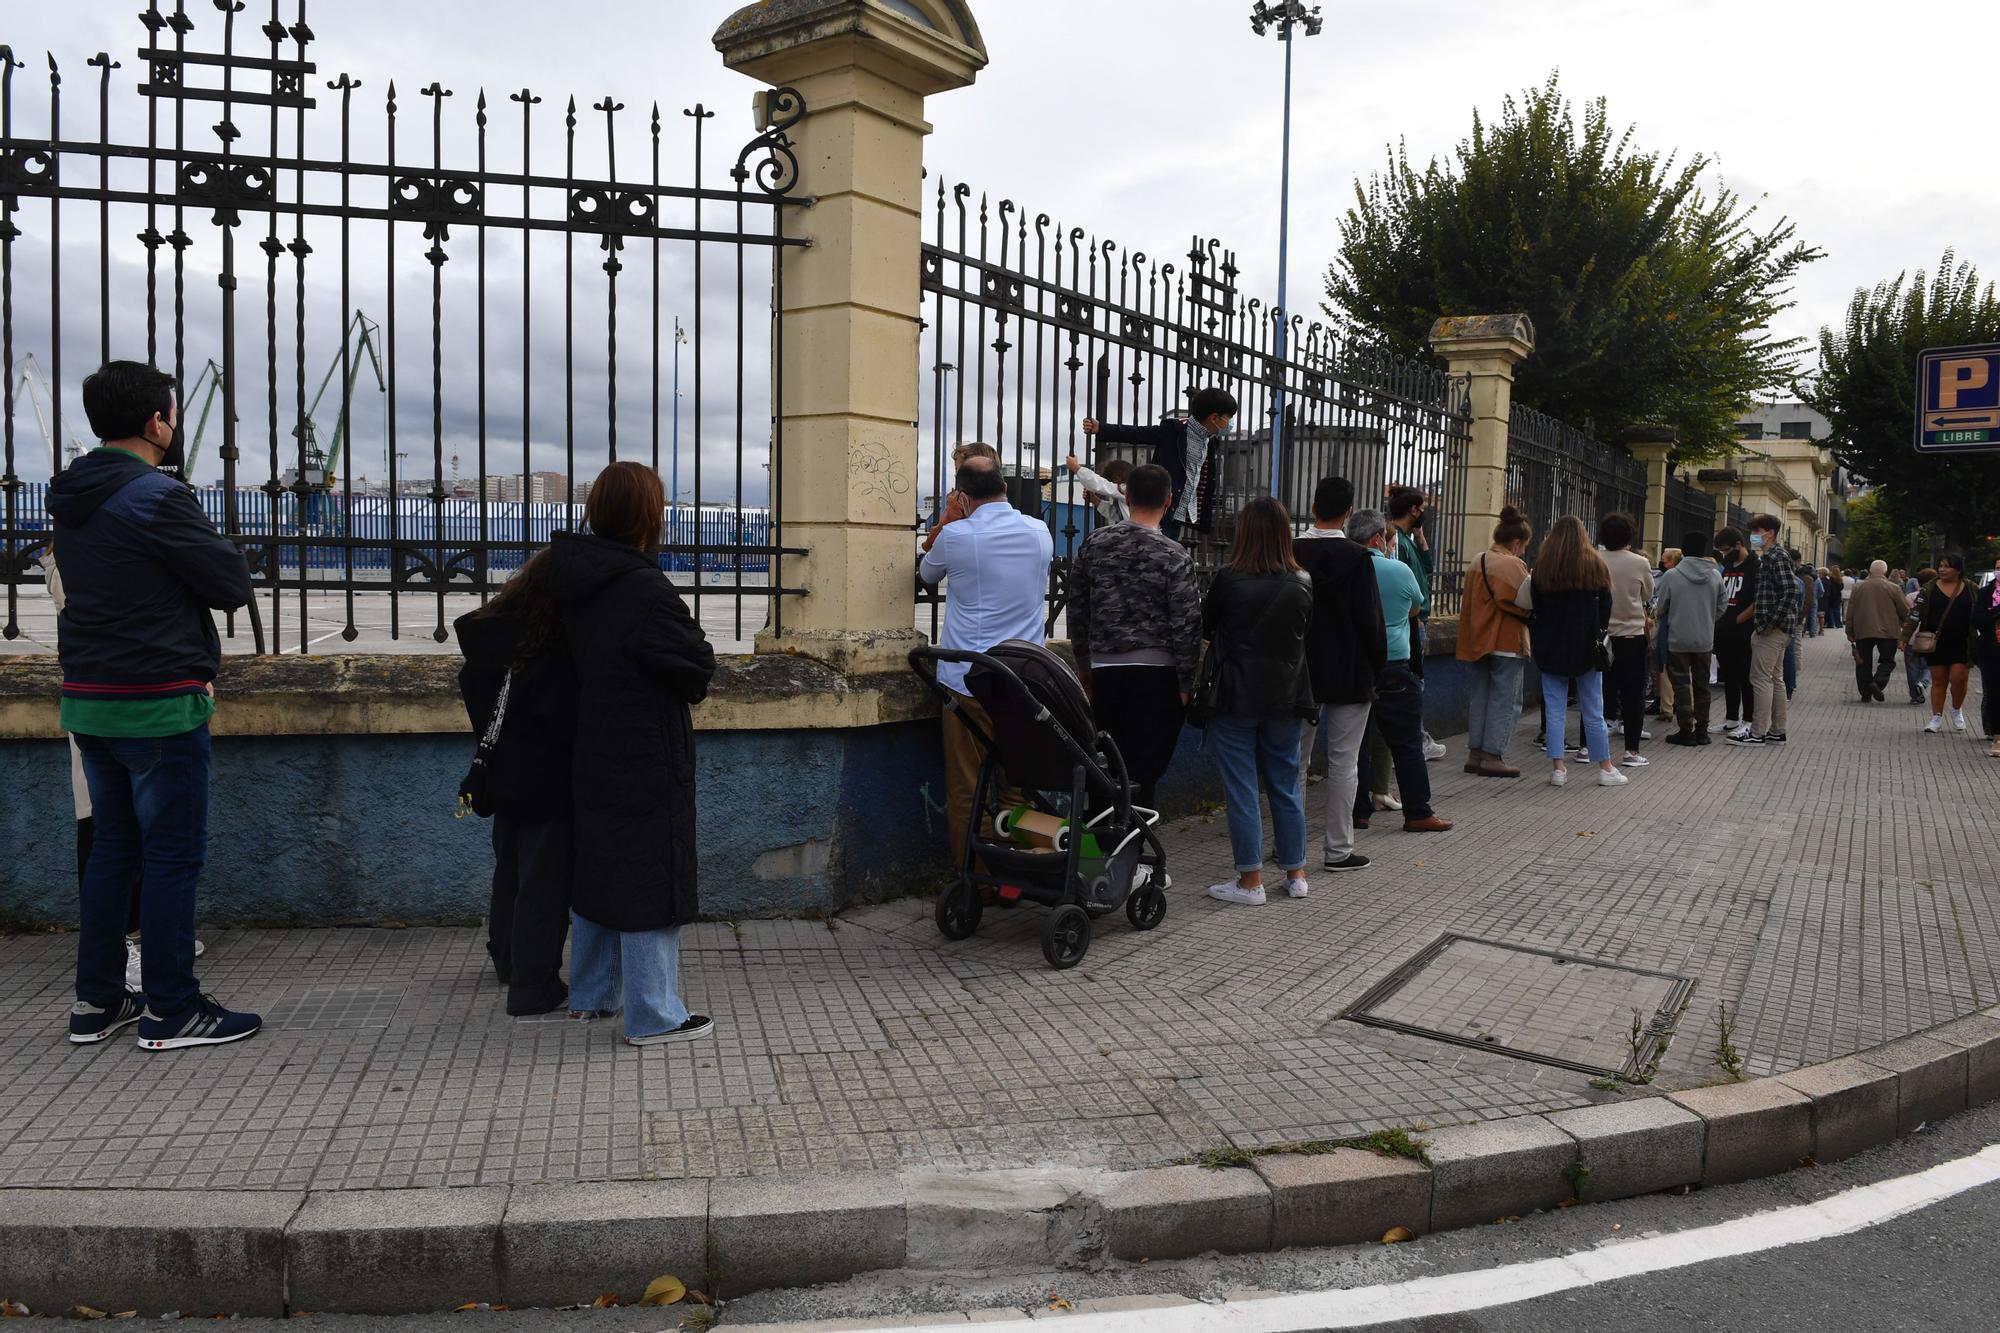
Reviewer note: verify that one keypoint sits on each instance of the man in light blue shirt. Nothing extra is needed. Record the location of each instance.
(994, 564)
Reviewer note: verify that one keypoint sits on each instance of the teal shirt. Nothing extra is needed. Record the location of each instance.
(1401, 594)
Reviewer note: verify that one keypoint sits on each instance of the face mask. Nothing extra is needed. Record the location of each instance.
(1756, 541)
(175, 462)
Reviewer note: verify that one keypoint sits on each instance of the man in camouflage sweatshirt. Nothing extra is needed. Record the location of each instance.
(1135, 626)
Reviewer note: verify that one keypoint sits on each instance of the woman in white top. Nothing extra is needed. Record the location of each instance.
(1631, 595)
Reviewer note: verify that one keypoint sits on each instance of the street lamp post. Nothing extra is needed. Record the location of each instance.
(680, 341)
(1284, 16)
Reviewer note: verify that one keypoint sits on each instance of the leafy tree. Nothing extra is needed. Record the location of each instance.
(1873, 534)
(1650, 299)
(1867, 389)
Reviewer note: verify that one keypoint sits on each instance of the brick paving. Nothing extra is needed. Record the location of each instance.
(1834, 894)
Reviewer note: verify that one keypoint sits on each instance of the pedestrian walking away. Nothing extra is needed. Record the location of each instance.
(1690, 600)
(1986, 653)
(1135, 626)
(1874, 625)
(1916, 669)
(1185, 447)
(1255, 693)
(1493, 642)
(1940, 630)
(520, 689)
(1773, 617)
(1399, 690)
(1631, 618)
(1569, 595)
(995, 566)
(1347, 648)
(142, 570)
(641, 662)
(1733, 630)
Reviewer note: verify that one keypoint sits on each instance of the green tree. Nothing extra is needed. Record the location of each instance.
(1650, 298)
(1867, 389)
(1872, 533)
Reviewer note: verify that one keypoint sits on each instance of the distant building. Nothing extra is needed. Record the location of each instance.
(534, 488)
(1784, 467)
(580, 493)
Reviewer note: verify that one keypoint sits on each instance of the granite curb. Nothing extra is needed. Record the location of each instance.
(427, 1250)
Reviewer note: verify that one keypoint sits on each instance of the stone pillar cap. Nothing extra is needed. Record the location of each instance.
(929, 46)
(1649, 432)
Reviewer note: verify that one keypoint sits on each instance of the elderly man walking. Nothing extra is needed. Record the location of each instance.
(996, 560)
(1874, 615)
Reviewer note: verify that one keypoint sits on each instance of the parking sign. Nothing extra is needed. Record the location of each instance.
(1958, 400)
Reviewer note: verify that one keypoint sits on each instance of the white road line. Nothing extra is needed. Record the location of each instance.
(1455, 1293)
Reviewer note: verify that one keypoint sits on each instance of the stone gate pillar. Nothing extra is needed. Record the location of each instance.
(850, 305)
(1484, 349)
(1651, 445)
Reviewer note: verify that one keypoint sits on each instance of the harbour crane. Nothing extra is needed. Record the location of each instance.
(33, 386)
(322, 465)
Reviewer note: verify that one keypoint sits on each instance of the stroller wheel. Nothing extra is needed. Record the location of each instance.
(1066, 936)
(958, 909)
(1146, 908)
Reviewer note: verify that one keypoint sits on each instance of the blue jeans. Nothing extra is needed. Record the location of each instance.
(1917, 672)
(1589, 698)
(1399, 714)
(636, 970)
(149, 807)
(1247, 753)
(1495, 704)
(1792, 665)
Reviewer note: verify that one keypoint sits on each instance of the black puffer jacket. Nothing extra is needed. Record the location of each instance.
(1566, 629)
(640, 661)
(1256, 627)
(529, 777)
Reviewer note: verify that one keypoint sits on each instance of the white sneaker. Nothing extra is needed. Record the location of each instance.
(1721, 728)
(1433, 750)
(132, 972)
(1297, 888)
(1558, 777)
(1633, 759)
(1387, 803)
(1611, 777)
(1645, 735)
(1744, 732)
(1236, 893)
(1935, 725)
(1958, 719)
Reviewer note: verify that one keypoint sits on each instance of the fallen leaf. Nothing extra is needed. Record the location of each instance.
(85, 1312)
(1569, 1203)
(1397, 1235)
(664, 1290)
(466, 1308)
(1617, 1226)
(1145, 1261)
(13, 1310)
(606, 1301)
(1587, 834)
(1058, 1303)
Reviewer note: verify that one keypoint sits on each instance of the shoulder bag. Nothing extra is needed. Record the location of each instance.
(1924, 642)
(1208, 685)
(475, 792)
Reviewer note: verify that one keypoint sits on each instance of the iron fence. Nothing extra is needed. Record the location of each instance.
(1689, 509)
(524, 362)
(1554, 469)
(1031, 327)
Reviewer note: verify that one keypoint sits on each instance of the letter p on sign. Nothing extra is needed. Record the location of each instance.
(1961, 375)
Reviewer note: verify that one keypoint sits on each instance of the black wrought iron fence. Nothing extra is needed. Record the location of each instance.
(1689, 509)
(1554, 469)
(1030, 327)
(529, 362)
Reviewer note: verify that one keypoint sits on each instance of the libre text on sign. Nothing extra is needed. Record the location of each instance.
(1958, 399)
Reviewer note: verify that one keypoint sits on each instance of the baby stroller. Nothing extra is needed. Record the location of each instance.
(1076, 843)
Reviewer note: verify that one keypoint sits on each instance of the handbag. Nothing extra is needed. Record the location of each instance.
(1924, 642)
(1605, 658)
(475, 791)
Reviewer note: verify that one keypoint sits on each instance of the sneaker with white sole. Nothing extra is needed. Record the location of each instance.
(1745, 737)
(1611, 777)
(1633, 759)
(1356, 861)
(1559, 777)
(90, 1023)
(205, 1023)
(132, 969)
(697, 1026)
(1745, 730)
(1297, 888)
(1935, 726)
(1958, 719)
(1433, 750)
(1724, 727)
(1645, 735)
(1386, 803)
(1236, 893)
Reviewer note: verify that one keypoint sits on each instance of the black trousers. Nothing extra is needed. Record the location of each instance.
(1989, 697)
(1140, 707)
(1399, 712)
(529, 916)
(1627, 685)
(1732, 664)
(1874, 663)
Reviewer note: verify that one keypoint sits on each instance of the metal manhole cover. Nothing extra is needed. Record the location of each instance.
(1559, 1009)
(336, 1007)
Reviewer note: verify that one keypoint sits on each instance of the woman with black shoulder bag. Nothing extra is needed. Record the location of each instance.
(1940, 632)
(1570, 596)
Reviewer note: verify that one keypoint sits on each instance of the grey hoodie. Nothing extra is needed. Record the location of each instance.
(1690, 600)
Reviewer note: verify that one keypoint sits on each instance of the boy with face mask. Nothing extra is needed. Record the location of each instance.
(1732, 628)
(1188, 448)
(1773, 615)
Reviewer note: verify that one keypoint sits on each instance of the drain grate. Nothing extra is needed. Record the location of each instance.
(335, 1007)
(1537, 1004)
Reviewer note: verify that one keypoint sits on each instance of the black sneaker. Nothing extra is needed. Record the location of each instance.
(1774, 738)
(206, 1023)
(1353, 861)
(697, 1025)
(89, 1024)
(1703, 738)
(1746, 738)
(1683, 738)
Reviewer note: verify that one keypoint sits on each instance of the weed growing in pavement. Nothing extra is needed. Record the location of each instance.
(1576, 1173)
(700, 1319)
(1727, 1057)
(1640, 1040)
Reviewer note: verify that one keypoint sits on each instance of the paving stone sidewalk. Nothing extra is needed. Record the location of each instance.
(1835, 893)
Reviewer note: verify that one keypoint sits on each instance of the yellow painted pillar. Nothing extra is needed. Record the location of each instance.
(1484, 349)
(1720, 483)
(1652, 445)
(850, 305)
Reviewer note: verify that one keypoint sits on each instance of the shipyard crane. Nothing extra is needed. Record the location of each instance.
(323, 465)
(33, 386)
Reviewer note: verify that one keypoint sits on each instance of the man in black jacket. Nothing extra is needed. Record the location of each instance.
(142, 569)
(1186, 449)
(1346, 648)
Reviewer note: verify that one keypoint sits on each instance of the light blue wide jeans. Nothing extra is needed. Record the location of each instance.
(1590, 698)
(1250, 754)
(1494, 703)
(636, 970)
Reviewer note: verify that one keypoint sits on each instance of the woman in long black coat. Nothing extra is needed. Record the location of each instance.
(640, 660)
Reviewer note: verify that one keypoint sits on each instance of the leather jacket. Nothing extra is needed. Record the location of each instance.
(1256, 627)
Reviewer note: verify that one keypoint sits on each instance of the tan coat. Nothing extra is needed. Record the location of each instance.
(1876, 610)
(1488, 619)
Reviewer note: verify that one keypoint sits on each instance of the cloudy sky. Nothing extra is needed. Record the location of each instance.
(1141, 120)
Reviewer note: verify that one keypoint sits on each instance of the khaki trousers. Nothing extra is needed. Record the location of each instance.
(962, 758)
(1767, 680)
